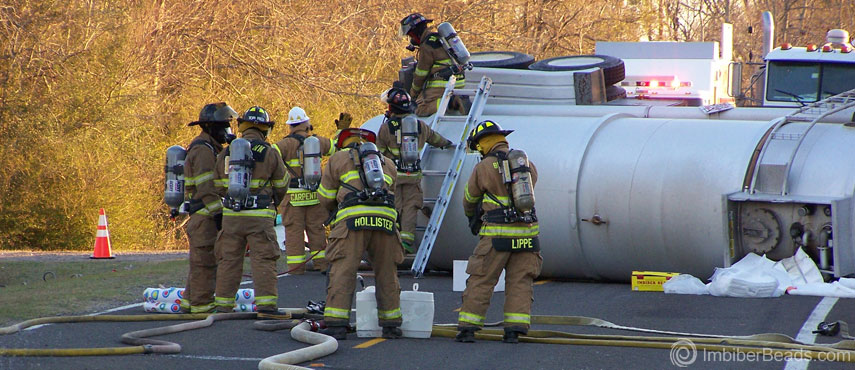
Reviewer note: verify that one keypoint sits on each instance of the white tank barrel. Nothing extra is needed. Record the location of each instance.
(311, 162)
(173, 193)
(453, 44)
(409, 140)
(240, 164)
(652, 111)
(619, 193)
(372, 168)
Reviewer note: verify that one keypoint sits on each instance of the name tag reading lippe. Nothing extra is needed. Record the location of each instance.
(516, 244)
(371, 223)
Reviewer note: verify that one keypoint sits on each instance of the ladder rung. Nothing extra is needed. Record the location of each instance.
(801, 118)
(453, 118)
(429, 200)
(466, 92)
(433, 173)
(785, 136)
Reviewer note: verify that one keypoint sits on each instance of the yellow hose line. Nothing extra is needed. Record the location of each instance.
(759, 347)
(68, 352)
(128, 318)
(136, 338)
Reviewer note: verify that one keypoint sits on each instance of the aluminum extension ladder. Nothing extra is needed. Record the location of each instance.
(441, 202)
(778, 152)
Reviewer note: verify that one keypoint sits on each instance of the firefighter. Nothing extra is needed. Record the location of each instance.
(390, 137)
(433, 66)
(204, 206)
(248, 219)
(302, 211)
(508, 234)
(357, 187)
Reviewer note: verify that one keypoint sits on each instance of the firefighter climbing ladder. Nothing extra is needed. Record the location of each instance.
(779, 150)
(441, 202)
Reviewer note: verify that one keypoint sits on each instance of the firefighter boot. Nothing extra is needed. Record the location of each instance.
(466, 334)
(391, 332)
(512, 334)
(337, 332)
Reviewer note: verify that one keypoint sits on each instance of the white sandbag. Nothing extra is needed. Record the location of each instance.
(752, 277)
(685, 284)
(801, 269)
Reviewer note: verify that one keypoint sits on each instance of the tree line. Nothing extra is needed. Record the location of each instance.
(92, 92)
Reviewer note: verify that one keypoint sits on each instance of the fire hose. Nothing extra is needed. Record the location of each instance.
(322, 345)
(761, 344)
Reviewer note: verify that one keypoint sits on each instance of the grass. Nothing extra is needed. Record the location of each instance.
(39, 289)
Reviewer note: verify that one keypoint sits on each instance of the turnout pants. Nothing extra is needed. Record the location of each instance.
(240, 232)
(311, 220)
(485, 266)
(428, 101)
(408, 202)
(199, 290)
(344, 254)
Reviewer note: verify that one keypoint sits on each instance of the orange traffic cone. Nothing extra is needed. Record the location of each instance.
(102, 238)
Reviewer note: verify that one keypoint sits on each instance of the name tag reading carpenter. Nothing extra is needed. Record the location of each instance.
(516, 245)
(371, 223)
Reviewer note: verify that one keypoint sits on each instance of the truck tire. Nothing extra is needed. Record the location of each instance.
(613, 68)
(614, 92)
(501, 59)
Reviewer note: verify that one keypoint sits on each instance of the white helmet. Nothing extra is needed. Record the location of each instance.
(297, 116)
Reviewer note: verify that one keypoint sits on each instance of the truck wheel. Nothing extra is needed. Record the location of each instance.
(614, 92)
(501, 59)
(613, 69)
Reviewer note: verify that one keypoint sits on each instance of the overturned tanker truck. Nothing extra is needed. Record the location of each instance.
(640, 185)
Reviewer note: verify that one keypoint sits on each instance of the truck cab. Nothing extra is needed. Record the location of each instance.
(796, 76)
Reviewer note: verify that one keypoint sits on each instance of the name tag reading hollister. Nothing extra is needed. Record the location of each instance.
(516, 245)
(371, 223)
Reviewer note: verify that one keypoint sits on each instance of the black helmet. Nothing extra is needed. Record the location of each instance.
(399, 101)
(483, 129)
(256, 115)
(413, 23)
(215, 113)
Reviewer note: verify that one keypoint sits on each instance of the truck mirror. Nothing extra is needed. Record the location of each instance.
(734, 69)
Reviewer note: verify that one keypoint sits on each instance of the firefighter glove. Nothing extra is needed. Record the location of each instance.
(343, 121)
(446, 145)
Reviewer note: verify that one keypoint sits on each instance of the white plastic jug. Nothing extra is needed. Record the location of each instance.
(366, 314)
(417, 312)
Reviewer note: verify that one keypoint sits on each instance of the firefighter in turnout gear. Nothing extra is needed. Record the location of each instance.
(357, 188)
(499, 201)
(204, 205)
(433, 66)
(302, 211)
(392, 137)
(253, 181)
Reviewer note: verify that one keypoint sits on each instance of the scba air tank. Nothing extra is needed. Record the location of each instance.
(372, 166)
(173, 193)
(521, 183)
(409, 140)
(240, 172)
(454, 46)
(311, 162)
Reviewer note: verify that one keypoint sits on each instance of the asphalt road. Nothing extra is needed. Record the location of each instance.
(236, 345)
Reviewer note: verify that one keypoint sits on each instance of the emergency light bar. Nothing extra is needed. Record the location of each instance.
(655, 81)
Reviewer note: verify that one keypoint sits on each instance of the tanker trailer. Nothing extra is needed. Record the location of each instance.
(617, 193)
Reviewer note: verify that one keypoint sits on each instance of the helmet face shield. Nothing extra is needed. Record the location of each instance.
(404, 30)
